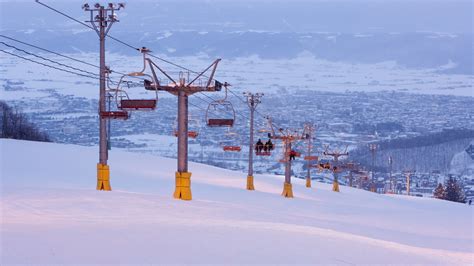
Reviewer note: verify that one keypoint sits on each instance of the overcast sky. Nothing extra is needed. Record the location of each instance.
(349, 16)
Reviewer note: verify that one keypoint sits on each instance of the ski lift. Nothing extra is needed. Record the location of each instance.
(229, 144)
(127, 104)
(112, 114)
(223, 108)
(193, 123)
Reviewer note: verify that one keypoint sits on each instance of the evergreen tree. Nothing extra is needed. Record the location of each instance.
(439, 192)
(453, 191)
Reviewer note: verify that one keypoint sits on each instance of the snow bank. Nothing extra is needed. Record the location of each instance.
(52, 214)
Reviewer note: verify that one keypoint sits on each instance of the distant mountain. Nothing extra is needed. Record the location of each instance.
(449, 52)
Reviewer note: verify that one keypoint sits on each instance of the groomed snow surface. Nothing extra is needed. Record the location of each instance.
(52, 214)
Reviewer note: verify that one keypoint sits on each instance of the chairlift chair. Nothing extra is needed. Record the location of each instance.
(225, 113)
(229, 145)
(194, 123)
(127, 104)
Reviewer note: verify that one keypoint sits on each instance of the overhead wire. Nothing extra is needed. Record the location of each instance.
(49, 60)
(46, 65)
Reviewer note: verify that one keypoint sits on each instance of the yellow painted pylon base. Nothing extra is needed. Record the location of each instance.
(103, 177)
(287, 190)
(183, 186)
(335, 186)
(308, 182)
(250, 185)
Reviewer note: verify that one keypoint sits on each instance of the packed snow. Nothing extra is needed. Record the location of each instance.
(52, 214)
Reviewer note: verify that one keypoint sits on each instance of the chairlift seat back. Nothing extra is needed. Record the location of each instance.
(138, 105)
(215, 122)
(232, 148)
(123, 115)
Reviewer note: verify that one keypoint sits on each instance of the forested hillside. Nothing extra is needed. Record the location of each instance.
(15, 125)
(422, 153)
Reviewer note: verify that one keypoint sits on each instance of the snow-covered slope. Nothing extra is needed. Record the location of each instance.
(51, 213)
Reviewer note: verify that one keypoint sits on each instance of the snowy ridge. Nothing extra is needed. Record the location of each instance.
(51, 213)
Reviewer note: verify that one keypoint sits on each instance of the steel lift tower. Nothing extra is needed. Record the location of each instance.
(253, 99)
(336, 166)
(373, 149)
(310, 129)
(288, 137)
(102, 18)
(183, 88)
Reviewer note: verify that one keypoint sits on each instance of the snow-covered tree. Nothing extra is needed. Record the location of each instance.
(439, 192)
(453, 191)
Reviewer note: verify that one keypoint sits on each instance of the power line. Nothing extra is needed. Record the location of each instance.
(49, 51)
(46, 65)
(49, 60)
(61, 55)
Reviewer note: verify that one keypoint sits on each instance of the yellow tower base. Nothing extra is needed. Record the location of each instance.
(103, 177)
(308, 182)
(183, 186)
(372, 188)
(335, 186)
(287, 190)
(250, 185)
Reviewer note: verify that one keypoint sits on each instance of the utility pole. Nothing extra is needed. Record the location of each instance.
(109, 144)
(408, 175)
(392, 184)
(287, 137)
(309, 130)
(373, 148)
(102, 18)
(336, 167)
(183, 88)
(252, 101)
